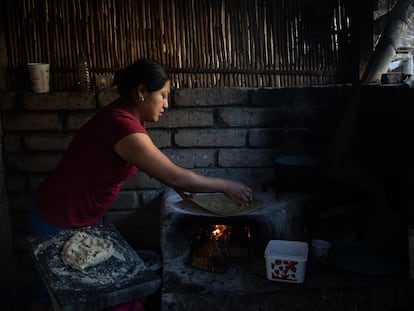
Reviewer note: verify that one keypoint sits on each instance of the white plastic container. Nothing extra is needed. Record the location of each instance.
(286, 260)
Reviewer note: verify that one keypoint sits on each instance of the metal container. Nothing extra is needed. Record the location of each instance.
(298, 172)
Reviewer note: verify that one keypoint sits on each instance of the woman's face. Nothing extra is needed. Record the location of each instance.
(154, 103)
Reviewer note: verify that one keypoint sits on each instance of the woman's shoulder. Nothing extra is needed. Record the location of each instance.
(118, 111)
(117, 114)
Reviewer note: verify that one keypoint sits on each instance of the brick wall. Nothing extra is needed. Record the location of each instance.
(226, 132)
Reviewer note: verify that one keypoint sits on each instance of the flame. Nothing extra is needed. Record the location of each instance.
(218, 231)
(248, 232)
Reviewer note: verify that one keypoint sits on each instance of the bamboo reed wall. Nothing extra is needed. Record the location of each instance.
(203, 43)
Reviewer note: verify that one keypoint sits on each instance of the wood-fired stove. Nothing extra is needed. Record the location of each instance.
(243, 282)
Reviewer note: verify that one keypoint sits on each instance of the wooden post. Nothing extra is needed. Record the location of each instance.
(399, 20)
(3, 53)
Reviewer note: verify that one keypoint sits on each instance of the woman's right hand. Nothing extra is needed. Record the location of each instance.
(157, 165)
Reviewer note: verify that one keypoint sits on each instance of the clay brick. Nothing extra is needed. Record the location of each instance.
(149, 196)
(245, 158)
(118, 217)
(161, 138)
(191, 158)
(32, 163)
(126, 200)
(272, 97)
(105, 97)
(12, 143)
(253, 176)
(264, 137)
(47, 142)
(210, 137)
(8, 100)
(76, 120)
(211, 97)
(31, 121)
(141, 181)
(21, 201)
(60, 101)
(190, 117)
(34, 180)
(15, 182)
(255, 117)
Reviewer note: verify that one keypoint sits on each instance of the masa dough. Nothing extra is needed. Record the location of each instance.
(83, 250)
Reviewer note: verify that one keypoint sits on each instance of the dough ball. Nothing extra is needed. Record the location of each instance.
(83, 250)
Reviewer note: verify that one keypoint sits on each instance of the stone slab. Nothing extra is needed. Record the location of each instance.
(123, 277)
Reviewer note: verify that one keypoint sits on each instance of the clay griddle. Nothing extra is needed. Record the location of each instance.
(215, 205)
(98, 284)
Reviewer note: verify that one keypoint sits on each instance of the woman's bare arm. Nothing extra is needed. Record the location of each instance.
(139, 150)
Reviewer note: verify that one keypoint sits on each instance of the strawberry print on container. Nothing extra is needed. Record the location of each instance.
(284, 269)
(286, 261)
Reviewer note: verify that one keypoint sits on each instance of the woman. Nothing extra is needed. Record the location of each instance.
(109, 149)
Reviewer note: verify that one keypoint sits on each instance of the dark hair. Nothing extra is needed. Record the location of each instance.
(144, 71)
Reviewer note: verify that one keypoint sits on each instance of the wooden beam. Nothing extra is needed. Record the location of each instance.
(400, 19)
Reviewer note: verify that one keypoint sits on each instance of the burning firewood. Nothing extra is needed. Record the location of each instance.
(210, 256)
(214, 246)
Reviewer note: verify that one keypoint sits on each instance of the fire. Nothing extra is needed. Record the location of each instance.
(215, 246)
(247, 229)
(223, 232)
(220, 232)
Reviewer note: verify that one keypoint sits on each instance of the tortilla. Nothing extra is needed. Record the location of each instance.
(218, 203)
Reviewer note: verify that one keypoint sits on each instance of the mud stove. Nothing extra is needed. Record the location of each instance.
(214, 262)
